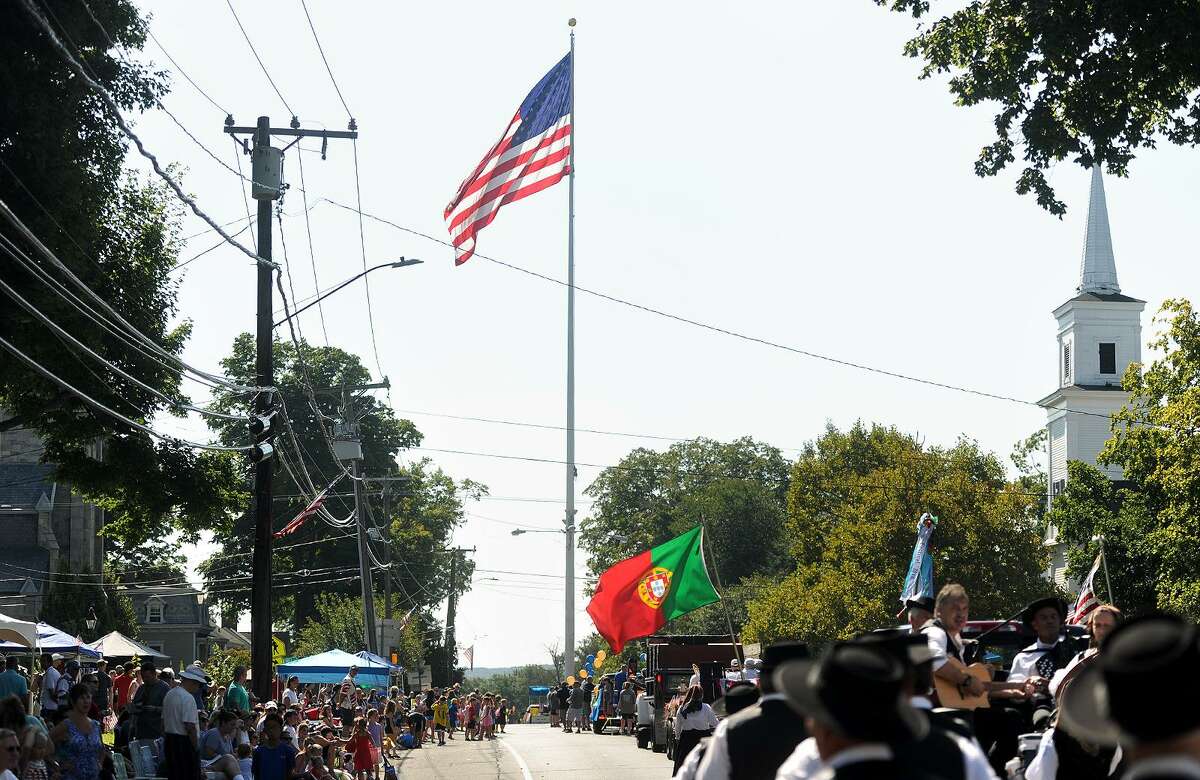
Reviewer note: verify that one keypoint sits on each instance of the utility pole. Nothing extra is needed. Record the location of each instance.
(451, 609)
(266, 187)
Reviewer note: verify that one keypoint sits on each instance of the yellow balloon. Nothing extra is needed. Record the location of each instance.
(570, 679)
(583, 673)
(600, 656)
(598, 662)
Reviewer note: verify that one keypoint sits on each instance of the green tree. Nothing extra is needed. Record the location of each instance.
(417, 515)
(62, 173)
(514, 685)
(1027, 457)
(737, 488)
(221, 663)
(853, 507)
(1091, 506)
(1155, 444)
(75, 595)
(1090, 80)
(336, 625)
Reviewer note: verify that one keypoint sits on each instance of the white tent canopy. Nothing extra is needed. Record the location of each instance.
(116, 645)
(20, 632)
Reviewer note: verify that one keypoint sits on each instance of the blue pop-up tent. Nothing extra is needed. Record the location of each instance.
(331, 666)
(368, 655)
(54, 640)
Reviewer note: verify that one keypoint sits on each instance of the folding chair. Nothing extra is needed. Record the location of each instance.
(144, 755)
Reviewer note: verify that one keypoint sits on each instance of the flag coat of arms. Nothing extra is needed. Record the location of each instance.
(533, 153)
(636, 597)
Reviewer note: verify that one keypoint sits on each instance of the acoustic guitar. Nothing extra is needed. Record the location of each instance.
(954, 697)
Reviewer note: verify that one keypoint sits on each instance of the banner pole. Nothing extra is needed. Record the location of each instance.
(1107, 582)
(737, 648)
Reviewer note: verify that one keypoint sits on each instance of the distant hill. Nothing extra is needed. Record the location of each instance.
(479, 672)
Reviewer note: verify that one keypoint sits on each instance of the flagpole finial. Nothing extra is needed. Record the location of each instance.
(571, 22)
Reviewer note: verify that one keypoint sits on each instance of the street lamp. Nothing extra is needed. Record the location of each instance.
(403, 262)
(519, 531)
(90, 621)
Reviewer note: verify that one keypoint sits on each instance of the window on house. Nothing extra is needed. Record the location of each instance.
(154, 612)
(1108, 358)
(1059, 486)
(155, 646)
(1067, 362)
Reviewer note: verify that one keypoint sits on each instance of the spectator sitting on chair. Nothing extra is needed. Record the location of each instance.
(216, 747)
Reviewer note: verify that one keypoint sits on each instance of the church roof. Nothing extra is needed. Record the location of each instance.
(1113, 298)
(1098, 267)
(22, 484)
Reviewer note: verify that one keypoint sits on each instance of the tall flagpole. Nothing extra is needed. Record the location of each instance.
(569, 638)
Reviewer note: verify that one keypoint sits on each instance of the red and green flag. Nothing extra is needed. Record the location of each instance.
(637, 596)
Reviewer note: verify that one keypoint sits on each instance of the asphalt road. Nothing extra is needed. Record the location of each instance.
(537, 752)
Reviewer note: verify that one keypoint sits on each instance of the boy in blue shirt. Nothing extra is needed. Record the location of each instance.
(273, 759)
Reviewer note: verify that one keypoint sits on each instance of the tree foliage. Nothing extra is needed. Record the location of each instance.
(62, 173)
(1153, 529)
(221, 663)
(418, 514)
(737, 489)
(514, 685)
(1089, 80)
(336, 625)
(853, 507)
(72, 599)
(1092, 506)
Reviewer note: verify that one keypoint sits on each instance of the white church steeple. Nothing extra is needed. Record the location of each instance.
(1098, 267)
(1099, 335)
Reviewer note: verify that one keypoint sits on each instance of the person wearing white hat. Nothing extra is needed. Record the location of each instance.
(181, 726)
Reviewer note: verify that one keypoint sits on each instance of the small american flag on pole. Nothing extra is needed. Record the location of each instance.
(305, 513)
(533, 153)
(1087, 600)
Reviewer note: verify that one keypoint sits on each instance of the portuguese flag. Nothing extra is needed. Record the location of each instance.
(637, 596)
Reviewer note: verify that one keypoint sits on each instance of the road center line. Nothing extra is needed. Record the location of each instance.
(520, 761)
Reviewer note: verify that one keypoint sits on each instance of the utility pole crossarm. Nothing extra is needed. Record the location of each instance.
(293, 132)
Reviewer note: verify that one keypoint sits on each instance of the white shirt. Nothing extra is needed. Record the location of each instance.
(49, 682)
(7, 775)
(179, 708)
(1044, 765)
(702, 719)
(939, 644)
(1061, 674)
(716, 764)
(694, 680)
(290, 697)
(1024, 665)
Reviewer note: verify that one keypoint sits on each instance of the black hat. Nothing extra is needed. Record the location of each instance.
(855, 690)
(920, 602)
(738, 697)
(781, 652)
(1037, 606)
(906, 647)
(1118, 699)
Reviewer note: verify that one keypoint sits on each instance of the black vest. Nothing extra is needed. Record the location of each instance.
(938, 754)
(1077, 761)
(951, 648)
(882, 770)
(760, 739)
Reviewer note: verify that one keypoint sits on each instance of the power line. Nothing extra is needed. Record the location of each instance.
(178, 68)
(719, 329)
(312, 256)
(111, 102)
(259, 59)
(325, 60)
(39, 368)
(362, 242)
(127, 332)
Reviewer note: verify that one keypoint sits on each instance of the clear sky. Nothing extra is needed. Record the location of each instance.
(781, 173)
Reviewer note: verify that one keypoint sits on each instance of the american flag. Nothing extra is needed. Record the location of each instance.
(533, 153)
(1087, 600)
(305, 513)
(469, 654)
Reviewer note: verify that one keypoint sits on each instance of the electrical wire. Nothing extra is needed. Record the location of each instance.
(720, 329)
(362, 242)
(127, 331)
(218, 245)
(179, 69)
(311, 253)
(259, 59)
(109, 101)
(62, 333)
(325, 60)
